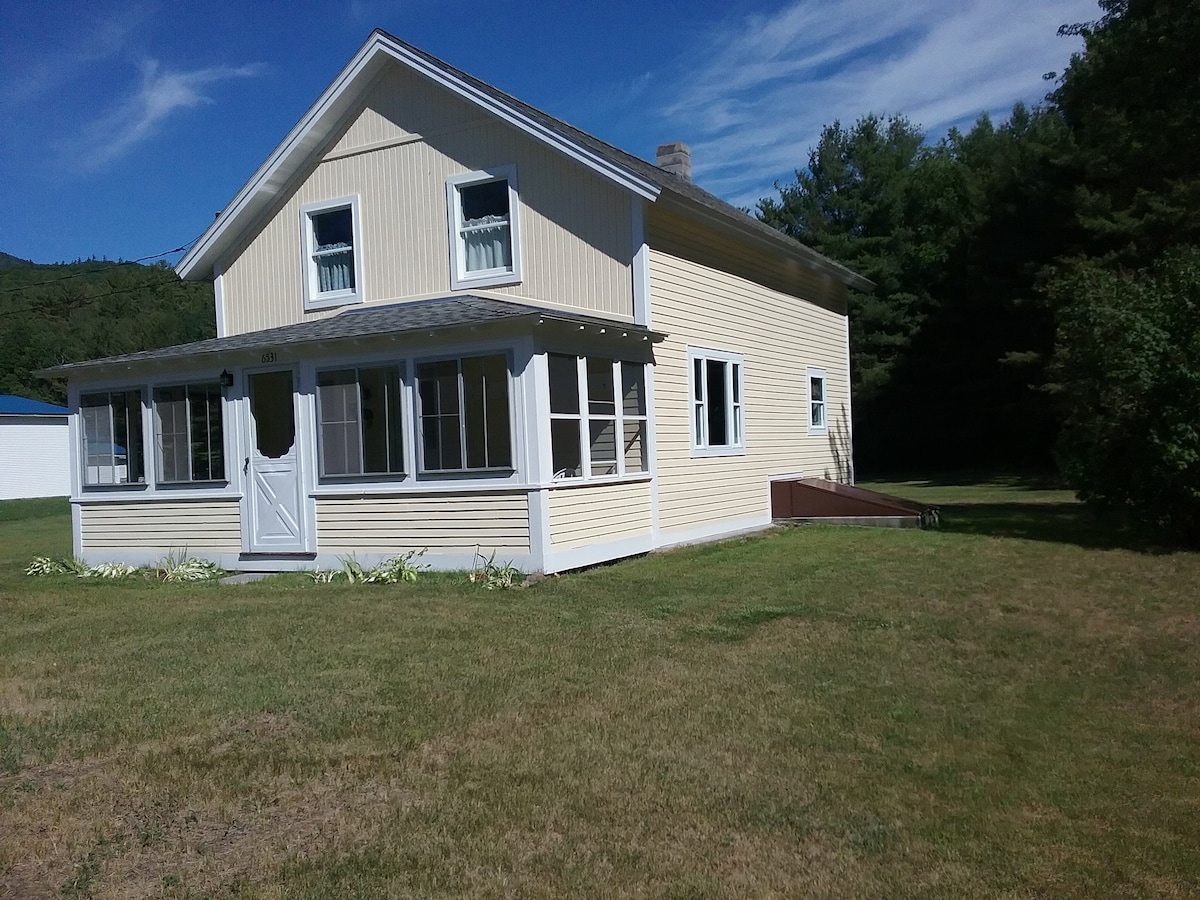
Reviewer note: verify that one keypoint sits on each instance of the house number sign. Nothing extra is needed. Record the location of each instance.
(269, 356)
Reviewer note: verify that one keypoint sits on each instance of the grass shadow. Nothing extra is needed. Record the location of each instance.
(1061, 523)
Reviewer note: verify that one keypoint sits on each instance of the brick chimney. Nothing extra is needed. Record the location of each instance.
(675, 157)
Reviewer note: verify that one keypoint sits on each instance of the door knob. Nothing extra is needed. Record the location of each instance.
(246, 466)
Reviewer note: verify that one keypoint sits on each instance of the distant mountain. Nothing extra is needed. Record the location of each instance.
(8, 261)
(66, 312)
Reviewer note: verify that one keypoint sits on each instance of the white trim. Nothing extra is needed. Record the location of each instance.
(652, 448)
(460, 278)
(302, 438)
(584, 417)
(76, 530)
(156, 431)
(410, 488)
(305, 393)
(511, 471)
(146, 424)
(577, 557)
(539, 527)
(810, 373)
(315, 127)
(849, 402)
(580, 153)
(296, 562)
(735, 402)
(219, 300)
(641, 265)
(313, 298)
(785, 476)
(714, 531)
(357, 368)
(164, 496)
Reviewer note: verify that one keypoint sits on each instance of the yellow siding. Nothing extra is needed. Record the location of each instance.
(594, 514)
(779, 336)
(687, 238)
(197, 526)
(396, 153)
(439, 522)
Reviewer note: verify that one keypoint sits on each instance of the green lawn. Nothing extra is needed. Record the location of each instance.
(1005, 707)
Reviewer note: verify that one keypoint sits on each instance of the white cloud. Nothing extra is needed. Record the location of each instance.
(139, 117)
(769, 84)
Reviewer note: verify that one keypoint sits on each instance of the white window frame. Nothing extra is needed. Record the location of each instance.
(585, 418)
(400, 407)
(419, 417)
(460, 278)
(314, 298)
(813, 373)
(160, 466)
(84, 457)
(735, 403)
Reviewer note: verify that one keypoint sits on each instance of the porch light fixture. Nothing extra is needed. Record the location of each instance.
(226, 378)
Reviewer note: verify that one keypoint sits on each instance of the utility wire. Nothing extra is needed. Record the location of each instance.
(129, 290)
(105, 268)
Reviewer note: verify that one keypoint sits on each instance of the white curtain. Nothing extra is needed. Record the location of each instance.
(335, 270)
(487, 243)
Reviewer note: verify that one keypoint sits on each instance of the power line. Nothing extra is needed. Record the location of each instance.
(105, 268)
(150, 285)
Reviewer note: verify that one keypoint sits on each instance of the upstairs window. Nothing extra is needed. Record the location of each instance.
(190, 433)
(485, 247)
(112, 437)
(818, 422)
(464, 414)
(718, 415)
(597, 416)
(358, 422)
(331, 238)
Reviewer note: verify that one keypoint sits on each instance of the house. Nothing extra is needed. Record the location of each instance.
(34, 450)
(447, 320)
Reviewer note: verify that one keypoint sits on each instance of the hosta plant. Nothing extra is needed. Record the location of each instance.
(492, 575)
(175, 568)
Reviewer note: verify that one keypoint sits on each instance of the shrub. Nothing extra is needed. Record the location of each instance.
(1128, 361)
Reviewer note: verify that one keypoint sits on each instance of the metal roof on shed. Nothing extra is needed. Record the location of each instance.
(12, 405)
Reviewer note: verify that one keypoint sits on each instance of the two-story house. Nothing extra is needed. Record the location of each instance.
(447, 320)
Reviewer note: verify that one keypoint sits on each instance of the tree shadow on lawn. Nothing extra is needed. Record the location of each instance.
(1061, 523)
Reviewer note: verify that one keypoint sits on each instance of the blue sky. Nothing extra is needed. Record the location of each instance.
(127, 126)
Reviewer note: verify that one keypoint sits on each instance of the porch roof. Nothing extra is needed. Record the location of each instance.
(395, 318)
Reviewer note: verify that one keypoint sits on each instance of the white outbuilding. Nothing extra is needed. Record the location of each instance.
(35, 458)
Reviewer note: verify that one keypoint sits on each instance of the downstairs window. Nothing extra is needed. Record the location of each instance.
(358, 422)
(112, 437)
(189, 433)
(597, 416)
(464, 414)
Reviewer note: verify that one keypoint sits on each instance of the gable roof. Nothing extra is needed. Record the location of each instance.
(316, 128)
(12, 405)
(369, 321)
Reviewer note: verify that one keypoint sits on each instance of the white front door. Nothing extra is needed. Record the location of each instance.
(273, 467)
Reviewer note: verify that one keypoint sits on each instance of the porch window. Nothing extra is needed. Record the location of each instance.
(484, 235)
(464, 414)
(818, 422)
(189, 433)
(597, 416)
(112, 437)
(718, 416)
(358, 422)
(331, 235)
